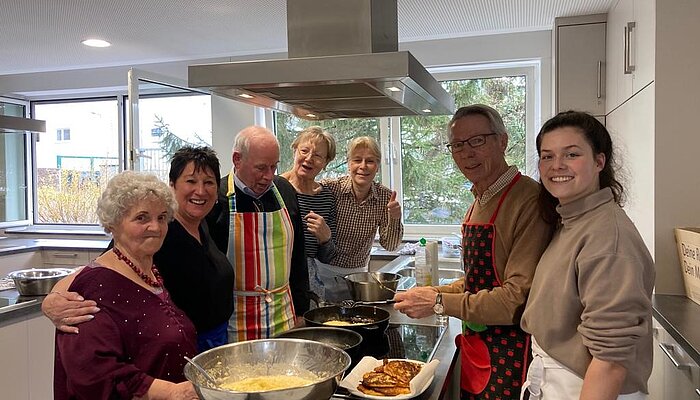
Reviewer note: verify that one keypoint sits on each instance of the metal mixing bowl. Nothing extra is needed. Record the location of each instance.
(323, 363)
(37, 281)
(364, 287)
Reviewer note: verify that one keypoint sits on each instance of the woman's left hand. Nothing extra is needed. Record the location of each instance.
(318, 227)
(393, 206)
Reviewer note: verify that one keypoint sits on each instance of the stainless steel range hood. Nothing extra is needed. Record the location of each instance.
(343, 63)
(10, 124)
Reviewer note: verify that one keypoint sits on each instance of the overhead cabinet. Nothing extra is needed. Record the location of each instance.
(580, 63)
(630, 50)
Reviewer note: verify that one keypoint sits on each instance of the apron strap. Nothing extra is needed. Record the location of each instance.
(503, 196)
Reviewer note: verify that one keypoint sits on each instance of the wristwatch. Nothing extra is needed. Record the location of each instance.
(439, 308)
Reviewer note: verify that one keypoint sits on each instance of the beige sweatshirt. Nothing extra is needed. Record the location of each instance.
(591, 296)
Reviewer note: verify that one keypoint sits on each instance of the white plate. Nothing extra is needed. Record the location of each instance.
(419, 383)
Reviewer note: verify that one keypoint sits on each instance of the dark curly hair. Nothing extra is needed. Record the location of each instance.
(598, 137)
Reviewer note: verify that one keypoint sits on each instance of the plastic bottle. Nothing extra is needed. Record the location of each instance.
(423, 271)
(431, 257)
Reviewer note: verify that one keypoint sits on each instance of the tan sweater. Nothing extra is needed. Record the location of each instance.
(521, 237)
(591, 296)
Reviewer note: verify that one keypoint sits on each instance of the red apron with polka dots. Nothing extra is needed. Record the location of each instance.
(494, 357)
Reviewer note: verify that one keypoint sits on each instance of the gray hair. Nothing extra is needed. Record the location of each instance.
(364, 142)
(241, 143)
(495, 121)
(125, 190)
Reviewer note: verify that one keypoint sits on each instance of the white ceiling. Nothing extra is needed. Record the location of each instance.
(45, 35)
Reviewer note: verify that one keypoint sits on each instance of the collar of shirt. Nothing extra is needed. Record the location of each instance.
(497, 186)
(239, 184)
(346, 189)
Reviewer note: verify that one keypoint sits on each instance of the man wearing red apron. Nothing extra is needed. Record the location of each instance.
(503, 236)
(261, 233)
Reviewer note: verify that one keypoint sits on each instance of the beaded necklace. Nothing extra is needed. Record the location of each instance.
(158, 283)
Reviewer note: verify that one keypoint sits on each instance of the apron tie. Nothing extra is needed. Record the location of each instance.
(261, 291)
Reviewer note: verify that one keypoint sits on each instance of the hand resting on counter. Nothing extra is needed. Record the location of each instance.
(67, 309)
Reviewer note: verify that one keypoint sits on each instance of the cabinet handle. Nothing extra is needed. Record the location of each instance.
(697, 391)
(629, 67)
(600, 80)
(668, 349)
(65, 255)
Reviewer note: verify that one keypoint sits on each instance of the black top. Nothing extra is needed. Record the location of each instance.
(198, 276)
(218, 220)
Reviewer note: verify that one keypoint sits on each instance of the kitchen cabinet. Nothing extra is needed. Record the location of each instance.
(13, 262)
(676, 375)
(67, 258)
(630, 49)
(579, 43)
(27, 348)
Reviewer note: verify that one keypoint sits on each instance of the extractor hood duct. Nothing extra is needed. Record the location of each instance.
(10, 124)
(343, 63)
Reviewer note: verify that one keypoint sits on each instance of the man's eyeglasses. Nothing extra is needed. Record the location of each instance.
(474, 142)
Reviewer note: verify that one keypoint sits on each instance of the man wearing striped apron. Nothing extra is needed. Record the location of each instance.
(503, 237)
(261, 233)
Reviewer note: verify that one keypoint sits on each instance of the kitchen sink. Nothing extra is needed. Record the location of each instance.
(445, 276)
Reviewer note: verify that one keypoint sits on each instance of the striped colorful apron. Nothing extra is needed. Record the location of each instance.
(260, 250)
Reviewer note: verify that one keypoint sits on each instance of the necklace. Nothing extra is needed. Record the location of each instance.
(158, 283)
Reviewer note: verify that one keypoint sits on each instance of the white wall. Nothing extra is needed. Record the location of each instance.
(677, 138)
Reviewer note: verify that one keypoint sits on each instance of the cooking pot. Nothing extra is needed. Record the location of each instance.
(370, 322)
(364, 286)
(37, 281)
(344, 339)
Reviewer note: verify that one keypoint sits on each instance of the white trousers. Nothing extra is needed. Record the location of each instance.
(547, 379)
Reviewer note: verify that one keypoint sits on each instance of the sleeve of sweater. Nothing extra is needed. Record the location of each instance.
(504, 305)
(616, 303)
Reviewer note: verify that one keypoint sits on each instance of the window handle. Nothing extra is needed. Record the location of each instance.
(600, 79)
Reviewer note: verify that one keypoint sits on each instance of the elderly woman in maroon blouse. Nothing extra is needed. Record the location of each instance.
(134, 347)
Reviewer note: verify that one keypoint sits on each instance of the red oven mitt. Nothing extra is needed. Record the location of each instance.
(476, 363)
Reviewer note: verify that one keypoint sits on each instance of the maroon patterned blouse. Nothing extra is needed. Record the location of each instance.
(136, 337)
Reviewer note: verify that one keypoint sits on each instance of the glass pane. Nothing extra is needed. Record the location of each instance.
(434, 190)
(13, 171)
(287, 126)
(75, 158)
(167, 123)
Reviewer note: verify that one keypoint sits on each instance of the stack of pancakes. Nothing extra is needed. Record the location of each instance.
(392, 378)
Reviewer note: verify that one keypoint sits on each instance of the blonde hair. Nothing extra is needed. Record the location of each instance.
(316, 134)
(364, 142)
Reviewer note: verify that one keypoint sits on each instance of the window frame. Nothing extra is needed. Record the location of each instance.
(28, 162)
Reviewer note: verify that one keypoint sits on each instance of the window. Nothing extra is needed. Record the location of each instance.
(287, 127)
(433, 192)
(62, 134)
(13, 168)
(71, 174)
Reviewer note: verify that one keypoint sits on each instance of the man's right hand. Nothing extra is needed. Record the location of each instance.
(67, 309)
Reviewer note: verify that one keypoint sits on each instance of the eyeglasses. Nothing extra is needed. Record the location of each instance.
(304, 152)
(474, 142)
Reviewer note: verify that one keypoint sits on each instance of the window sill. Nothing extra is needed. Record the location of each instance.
(52, 231)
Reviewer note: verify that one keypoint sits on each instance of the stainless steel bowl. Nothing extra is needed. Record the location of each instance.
(37, 281)
(364, 287)
(324, 363)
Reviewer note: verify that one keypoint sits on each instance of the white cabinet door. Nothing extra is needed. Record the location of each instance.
(618, 84)
(41, 353)
(630, 39)
(643, 43)
(681, 373)
(581, 68)
(13, 262)
(657, 378)
(14, 382)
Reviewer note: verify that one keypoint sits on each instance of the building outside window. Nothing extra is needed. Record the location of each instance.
(62, 134)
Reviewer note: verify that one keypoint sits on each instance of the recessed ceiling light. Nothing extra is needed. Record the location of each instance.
(96, 43)
(245, 96)
(427, 110)
(310, 115)
(393, 89)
